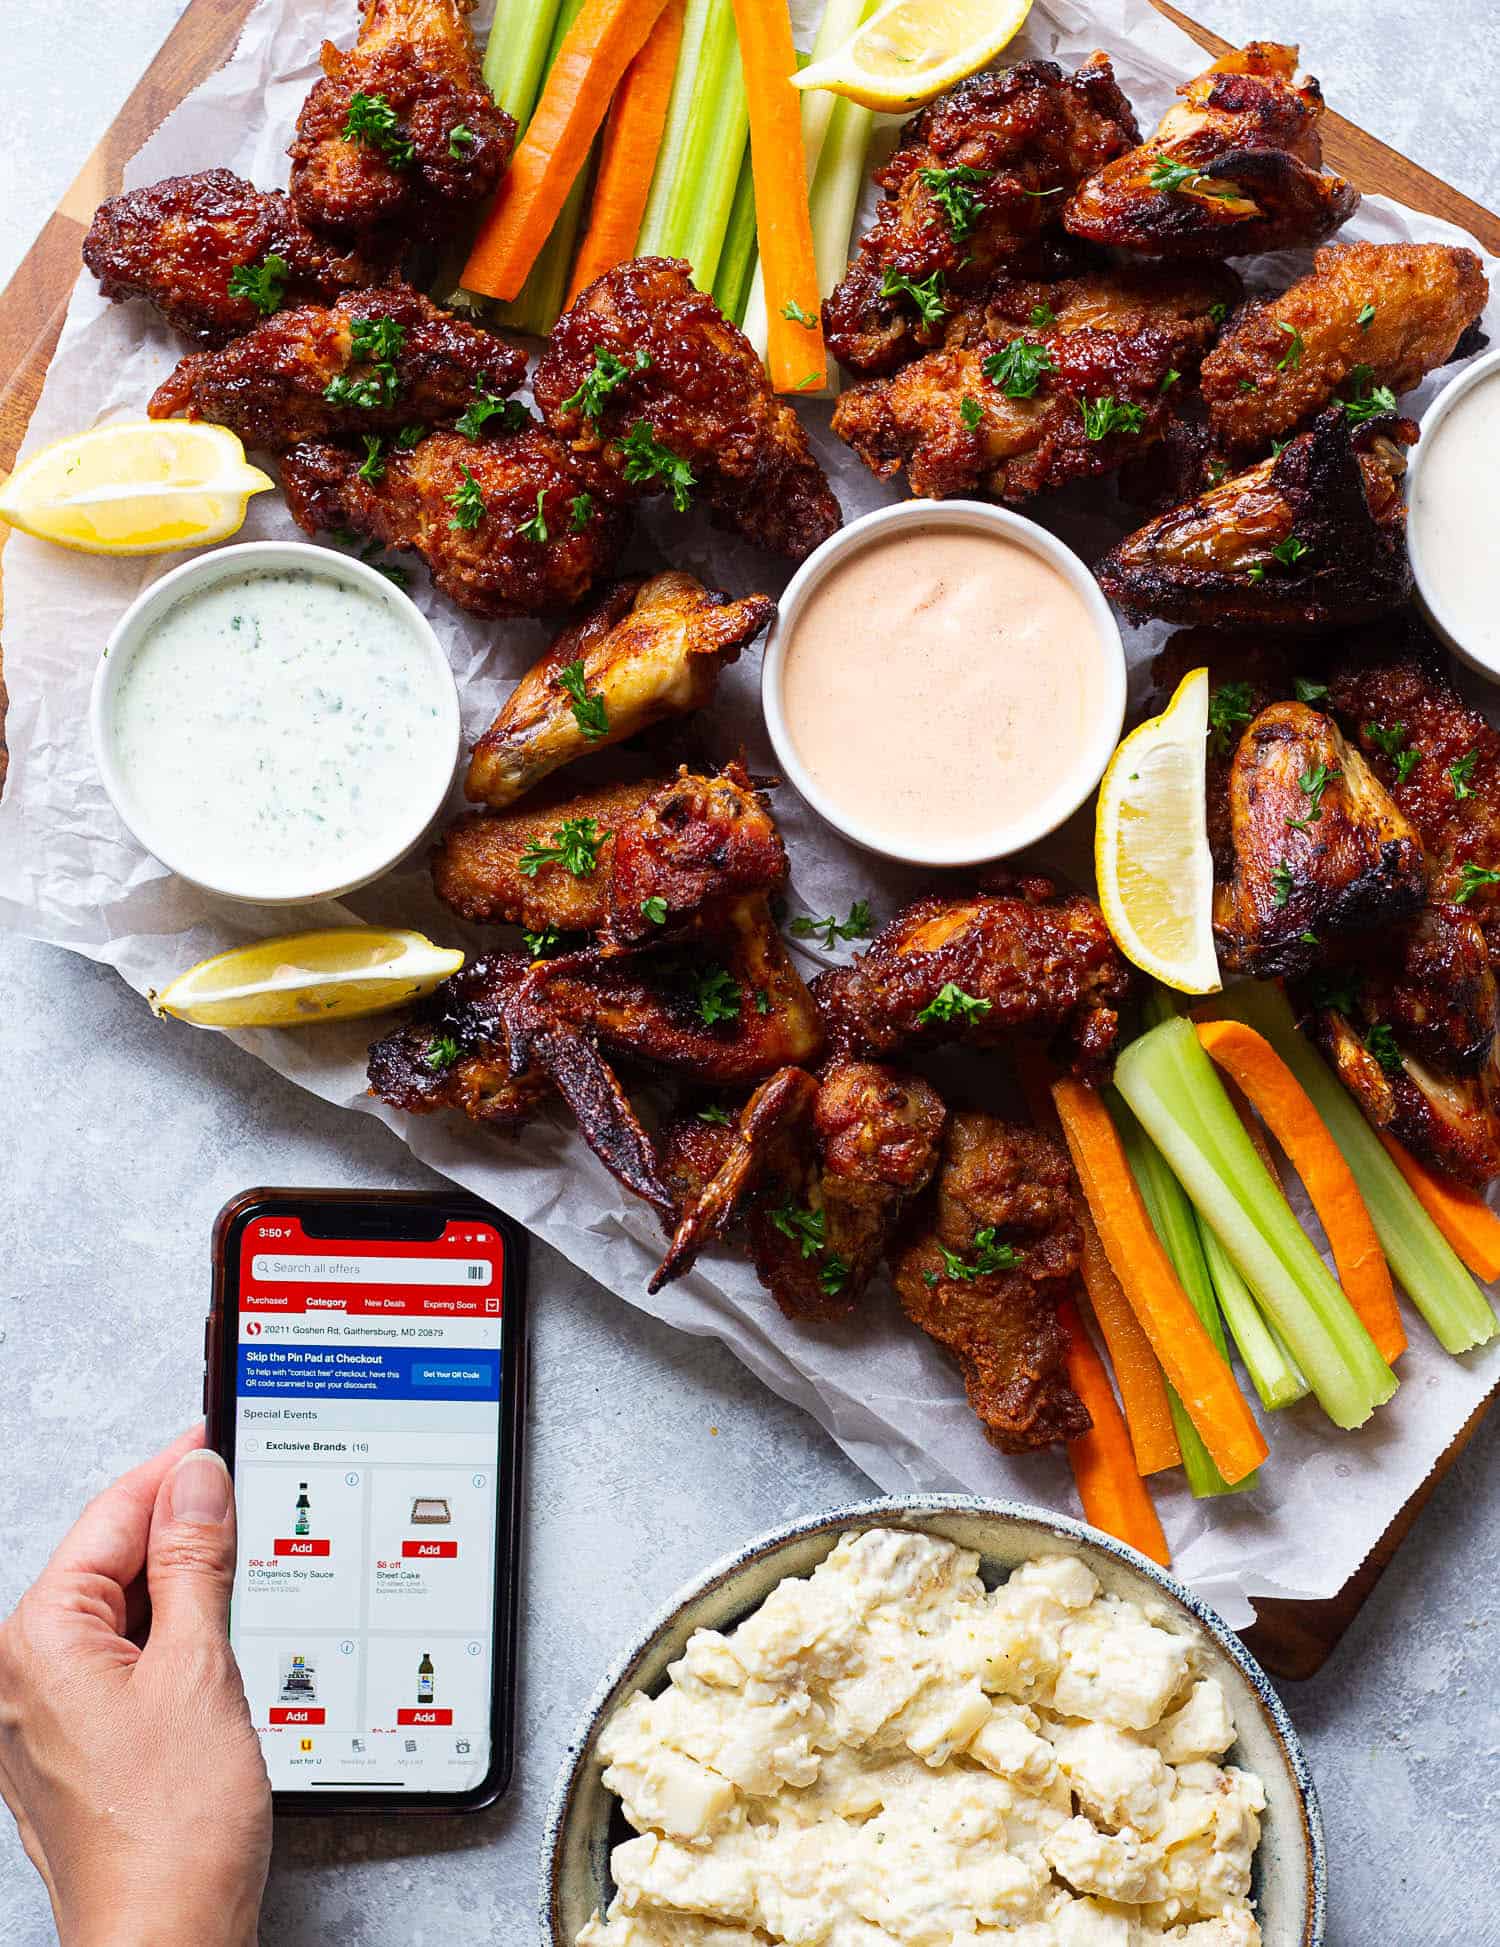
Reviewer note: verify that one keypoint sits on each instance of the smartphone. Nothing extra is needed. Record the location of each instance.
(365, 1362)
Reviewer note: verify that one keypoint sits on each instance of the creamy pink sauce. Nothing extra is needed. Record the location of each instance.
(937, 684)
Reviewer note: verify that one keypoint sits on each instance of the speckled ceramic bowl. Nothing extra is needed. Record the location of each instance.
(1290, 1876)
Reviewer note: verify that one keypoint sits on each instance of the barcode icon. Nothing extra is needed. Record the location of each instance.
(476, 1274)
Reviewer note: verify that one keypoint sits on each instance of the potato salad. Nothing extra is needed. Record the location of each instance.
(886, 1752)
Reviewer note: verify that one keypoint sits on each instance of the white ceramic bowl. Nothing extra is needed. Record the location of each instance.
(1290, 1879)
(1428, 594)
(428, 789)
(1078, 771)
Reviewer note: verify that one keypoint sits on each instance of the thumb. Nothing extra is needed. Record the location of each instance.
(190, 1553)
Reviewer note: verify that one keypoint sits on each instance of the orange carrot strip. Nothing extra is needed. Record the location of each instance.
(1461, 1214)
(783, 218)
(596, 50)
(1114, 1496)
(1143, 1391)
(1282, 1102)
(627, 156)
(1192, 1362)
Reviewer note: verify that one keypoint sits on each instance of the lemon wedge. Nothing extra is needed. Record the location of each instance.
(1156, 876)
(136, 486)
(337, 974)
(908, 51)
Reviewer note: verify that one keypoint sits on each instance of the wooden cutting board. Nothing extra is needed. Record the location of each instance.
(1292, 1639)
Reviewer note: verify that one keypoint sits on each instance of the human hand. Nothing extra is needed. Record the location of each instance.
(129, 1759)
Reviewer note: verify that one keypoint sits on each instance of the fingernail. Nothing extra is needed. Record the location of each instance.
(200, 1488)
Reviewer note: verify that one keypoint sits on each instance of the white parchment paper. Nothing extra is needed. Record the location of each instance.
(70, 874)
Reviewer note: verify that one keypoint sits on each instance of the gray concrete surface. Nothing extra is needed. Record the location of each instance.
(648, 1453)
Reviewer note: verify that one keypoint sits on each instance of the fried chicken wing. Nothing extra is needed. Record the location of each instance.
(644, 372)
(652, 649)
(984, 1272)
(1452, 1122)
(454, 1052)
(697, 844)
(1313, 539)
(515, 525)
(1370, 315)
(401, 137)
(1319, 849)
(979, 969)
(970, 190)
(371, 363)
(179, 243)
(1233, 168)
(1012, 408)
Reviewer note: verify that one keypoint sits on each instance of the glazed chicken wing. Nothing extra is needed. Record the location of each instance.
(180, 243)
(1013, 408)
(401, 137)
(1370, 316)
(516, 525)
(646, 374)
(652, 649)
(1233, 168)
(454, 1051)
(970, 190)
(369, 364)
(983, 1275)
(1319, 849)
(1313, 539)
(1450, 1121)
(979, 969)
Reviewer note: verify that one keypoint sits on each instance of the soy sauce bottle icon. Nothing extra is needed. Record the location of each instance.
(425, 1674)
(304, 1511)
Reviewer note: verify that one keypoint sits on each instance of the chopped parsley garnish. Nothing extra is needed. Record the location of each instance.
(1309, 692)
(1309, 939)
(1281, 883)
(410, 436)
(1390, 743)
(1042, 315)
(609, 373)
(713, 1113)
(654, 909)
(372, 120)
(1339, 993)
(1461, 775)
(1171, 379)
(794, 313)
(1381, 1043)
(1217, 313)
(1257, 571)
(264, 284)
(1290, 551)
(580, 512)
(378, 343)
(970, 412)
(574, 846)
(398, 577)
(372, 468)
(858, 926)
(951, 1003)
(953, 192)
(1279, 446)
(1313, 784)
(1107, 415)
(460, 140)
(1169, 175)
(1291, 358)
(1471, 879)
(1218, 472)
(833, 1274)
(926, 296)
(1228, 713)
(647, 459)
(805, 1227)
(1370, 401)
(1019, 368)
(442, 1052)
(718, 997)
(467, 502)
(1248, 385)
(535, 529)
(539, 945)
(589, 712)
(1406, 762)
(1365, 316)
(510, 412)
(988, 1256)
(762, 1001)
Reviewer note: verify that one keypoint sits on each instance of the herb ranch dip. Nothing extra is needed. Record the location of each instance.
(282, 732)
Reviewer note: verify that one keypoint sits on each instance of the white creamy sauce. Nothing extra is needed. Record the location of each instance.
(1453, 519)
(278, 732)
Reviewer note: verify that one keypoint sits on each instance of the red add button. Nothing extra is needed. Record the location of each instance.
(297, 1714)
(300, 1545)
(429, 1551)
(424, 1716)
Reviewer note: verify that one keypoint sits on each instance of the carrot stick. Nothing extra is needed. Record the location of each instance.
(1114, 1496)
(1461, 1214)
(1282, 1102)
(783, 218)
(1192, 1362)
(632, 138)
(596, 50)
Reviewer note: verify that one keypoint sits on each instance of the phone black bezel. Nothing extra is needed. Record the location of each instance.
(404, 1215)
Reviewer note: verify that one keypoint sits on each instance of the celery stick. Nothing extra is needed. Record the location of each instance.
(1277, 1376)
(715, 157)
(1173, 1088)
(1172, 1219)
(737, 258)
(708, 69)
(520, 50)
(1429, 1269)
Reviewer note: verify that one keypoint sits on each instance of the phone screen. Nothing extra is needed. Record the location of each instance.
(368, 1460)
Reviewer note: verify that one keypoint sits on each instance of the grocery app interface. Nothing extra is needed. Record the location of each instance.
(367, 1445)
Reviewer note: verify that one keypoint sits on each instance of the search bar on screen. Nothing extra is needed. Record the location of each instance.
(472, 1271)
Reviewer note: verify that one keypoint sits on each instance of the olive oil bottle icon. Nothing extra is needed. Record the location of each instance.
(425, 1675)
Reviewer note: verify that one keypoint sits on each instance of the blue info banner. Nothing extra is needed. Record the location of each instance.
(368, 1372)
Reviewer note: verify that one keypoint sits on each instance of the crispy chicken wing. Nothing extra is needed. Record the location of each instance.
(1370, 315)
(980, 968)
(1319, 849)
(1452, 1122)
(516, 525)
(984, 1272)
(371, 363)
(1312, 539)
(1232, 170)
(696, 844)
(401, 137)
(1014, 408)
(454, 1052)
(179, 243)
(646, 373)
(971, 189)
(652, 649)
